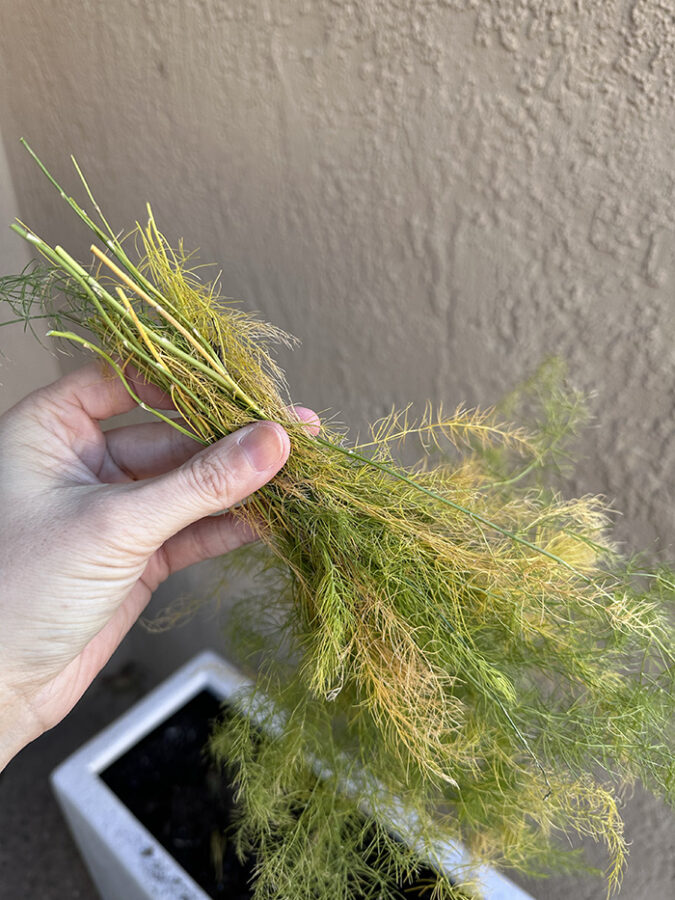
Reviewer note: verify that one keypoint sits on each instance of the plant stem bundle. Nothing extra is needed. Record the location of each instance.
(448, 634)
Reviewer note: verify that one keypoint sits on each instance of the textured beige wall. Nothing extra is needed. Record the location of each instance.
(432, 195)
(24, 365)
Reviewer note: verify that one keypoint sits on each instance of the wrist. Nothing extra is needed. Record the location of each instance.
(18, 726)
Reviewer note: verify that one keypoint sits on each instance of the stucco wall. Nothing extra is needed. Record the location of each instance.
(432, 195)
(24, 365)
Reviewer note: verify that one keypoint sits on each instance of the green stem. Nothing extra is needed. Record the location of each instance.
(496, 699)
(477, 517)
(101, 235)
(25, 320)
(71, 336)
(111, 243)
(60, 258)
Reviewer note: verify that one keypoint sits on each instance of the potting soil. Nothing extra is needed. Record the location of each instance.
(172, 786)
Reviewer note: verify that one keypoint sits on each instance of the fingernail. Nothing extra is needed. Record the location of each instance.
(262, 444)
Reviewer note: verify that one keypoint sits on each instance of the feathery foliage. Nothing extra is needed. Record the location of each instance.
(453, 639)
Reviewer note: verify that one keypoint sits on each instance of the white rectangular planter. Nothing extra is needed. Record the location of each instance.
(124, 859)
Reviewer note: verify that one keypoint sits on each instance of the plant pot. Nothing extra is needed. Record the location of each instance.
(112, 795)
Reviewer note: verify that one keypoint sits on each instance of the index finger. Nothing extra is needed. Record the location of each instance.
(98, 391)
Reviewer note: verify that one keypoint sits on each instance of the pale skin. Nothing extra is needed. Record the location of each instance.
(92, 521)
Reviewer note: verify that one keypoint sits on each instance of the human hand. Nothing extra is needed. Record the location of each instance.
(92, 522)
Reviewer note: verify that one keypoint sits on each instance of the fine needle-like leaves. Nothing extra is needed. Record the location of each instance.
(455, 639)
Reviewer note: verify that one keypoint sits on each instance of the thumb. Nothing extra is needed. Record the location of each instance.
(212, 480)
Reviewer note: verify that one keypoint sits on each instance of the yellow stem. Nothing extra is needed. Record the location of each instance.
(155, 305)
(148, 343)
(213, 360)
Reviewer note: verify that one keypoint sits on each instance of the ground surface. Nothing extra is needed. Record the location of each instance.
(38, 859)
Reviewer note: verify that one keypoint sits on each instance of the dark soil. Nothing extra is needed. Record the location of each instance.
(172, 787)
(168, 782)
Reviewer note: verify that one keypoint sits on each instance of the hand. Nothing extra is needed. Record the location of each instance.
(92, 522)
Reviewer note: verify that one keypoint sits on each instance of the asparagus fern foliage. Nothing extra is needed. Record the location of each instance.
(454, 639)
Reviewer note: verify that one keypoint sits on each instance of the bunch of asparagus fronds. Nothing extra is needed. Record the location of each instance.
(448, 634)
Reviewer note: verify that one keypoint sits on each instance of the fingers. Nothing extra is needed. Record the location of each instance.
(211, 480)
(153, 448)
(309, 417)
(98, 391)
(144, 451)
(205, 539)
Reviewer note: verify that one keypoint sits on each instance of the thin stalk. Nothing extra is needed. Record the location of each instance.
(209, 356)
(96, 293)
(507, 715)
(69, 200)
(112, 242)
(62, 260)
(383, 467)
(71, 336)
(26, 320)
